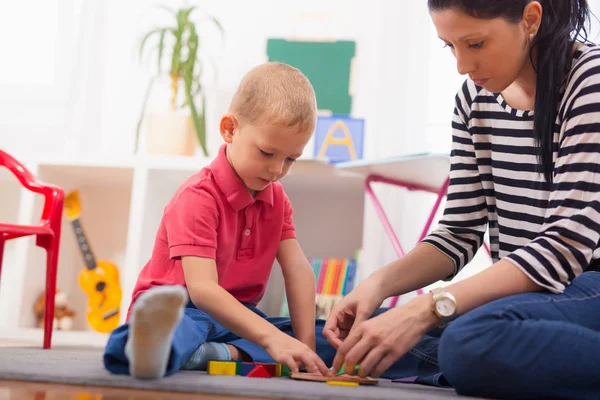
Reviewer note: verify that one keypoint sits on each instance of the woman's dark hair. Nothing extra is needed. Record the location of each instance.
(563, 22)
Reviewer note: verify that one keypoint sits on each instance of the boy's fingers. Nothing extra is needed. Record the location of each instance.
(315, 364)
(290, 362)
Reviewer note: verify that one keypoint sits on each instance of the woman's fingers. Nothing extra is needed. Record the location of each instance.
(340, 356)
(371, 360)
(383, 365)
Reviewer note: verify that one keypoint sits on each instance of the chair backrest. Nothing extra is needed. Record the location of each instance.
(26, 178)
(54, 196)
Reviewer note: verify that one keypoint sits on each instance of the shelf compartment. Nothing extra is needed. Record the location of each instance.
(105, 196)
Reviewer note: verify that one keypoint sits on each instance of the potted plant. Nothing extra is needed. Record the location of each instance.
(173, 131)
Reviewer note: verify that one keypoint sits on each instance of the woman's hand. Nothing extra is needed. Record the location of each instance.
(377, 343)
(289, 351)
(355, 307)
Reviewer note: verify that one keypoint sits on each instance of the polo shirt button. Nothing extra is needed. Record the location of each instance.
(247, 232)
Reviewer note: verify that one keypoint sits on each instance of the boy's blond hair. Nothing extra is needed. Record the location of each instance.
(276, 93)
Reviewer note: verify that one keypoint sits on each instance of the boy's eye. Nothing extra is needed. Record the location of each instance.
(477, 45)
(290, 159)
(264, 153)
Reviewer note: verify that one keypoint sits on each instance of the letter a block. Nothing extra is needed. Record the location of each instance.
(339, 138)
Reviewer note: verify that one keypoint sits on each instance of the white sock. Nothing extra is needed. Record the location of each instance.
(153, 319)
(206, 352)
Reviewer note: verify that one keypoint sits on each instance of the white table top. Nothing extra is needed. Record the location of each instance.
(426, 169)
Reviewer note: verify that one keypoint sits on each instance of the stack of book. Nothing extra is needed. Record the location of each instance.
(335, 278)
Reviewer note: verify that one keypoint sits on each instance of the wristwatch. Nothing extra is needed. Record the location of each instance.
(444, 306)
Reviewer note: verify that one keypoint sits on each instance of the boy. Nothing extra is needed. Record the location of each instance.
(219, 237)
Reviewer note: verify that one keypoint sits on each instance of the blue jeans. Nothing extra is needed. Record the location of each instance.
(532, 345)
(197, 327)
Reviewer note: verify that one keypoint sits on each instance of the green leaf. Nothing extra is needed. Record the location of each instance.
(161, 48)
(218, 24)
(198, 120)
(145, 39)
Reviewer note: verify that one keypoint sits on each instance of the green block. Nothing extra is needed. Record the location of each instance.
(285, 370)
(342, 372)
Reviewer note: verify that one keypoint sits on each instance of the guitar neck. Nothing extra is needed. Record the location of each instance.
(84, 246)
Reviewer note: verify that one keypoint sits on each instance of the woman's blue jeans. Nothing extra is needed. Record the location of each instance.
(533, 345)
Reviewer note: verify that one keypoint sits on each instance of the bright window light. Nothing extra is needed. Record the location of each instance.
(28, 31)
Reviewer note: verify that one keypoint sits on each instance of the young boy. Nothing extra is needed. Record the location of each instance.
(195, 300)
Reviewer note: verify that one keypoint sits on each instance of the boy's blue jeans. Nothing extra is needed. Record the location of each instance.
(532, 345)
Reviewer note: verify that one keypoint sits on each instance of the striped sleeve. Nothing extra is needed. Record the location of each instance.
(461, 229)
(571, 229)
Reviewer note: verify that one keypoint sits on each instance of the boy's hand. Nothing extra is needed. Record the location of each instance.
(289, 351)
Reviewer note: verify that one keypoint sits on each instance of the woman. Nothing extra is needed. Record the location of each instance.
(525, 164)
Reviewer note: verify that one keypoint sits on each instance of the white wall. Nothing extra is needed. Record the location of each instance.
(73, 85)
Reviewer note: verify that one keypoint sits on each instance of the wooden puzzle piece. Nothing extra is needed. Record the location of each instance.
(309, 376)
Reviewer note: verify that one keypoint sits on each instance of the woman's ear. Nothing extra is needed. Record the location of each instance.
(532, 17)
(227, 127)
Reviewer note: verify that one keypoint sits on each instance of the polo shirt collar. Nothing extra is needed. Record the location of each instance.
(231, 185)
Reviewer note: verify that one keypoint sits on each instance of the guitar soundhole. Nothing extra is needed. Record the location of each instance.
(100, 286)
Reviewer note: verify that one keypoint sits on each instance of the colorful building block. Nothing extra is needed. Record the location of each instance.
(342, 383)
(271, 368)
(259, 372)
(245, 368)
(285, 370)
(339, 138)
(222, 368)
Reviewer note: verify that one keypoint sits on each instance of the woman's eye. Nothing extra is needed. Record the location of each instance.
(448, 45)
(291, 159)
(476, 45)
(264, 153)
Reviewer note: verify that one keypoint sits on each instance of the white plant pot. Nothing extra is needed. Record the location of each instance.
(170, 133)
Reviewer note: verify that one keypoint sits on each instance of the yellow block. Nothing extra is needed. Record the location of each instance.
(221, 368)
(342, 383)
(278, 370)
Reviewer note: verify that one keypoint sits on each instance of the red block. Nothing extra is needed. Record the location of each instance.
(259, 372)
(271, 368)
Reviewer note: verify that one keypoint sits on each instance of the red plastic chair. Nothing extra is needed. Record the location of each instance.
(47, 232)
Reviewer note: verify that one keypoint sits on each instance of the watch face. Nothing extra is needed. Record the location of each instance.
(445, 307)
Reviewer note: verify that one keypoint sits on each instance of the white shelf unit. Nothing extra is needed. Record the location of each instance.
(122, 201)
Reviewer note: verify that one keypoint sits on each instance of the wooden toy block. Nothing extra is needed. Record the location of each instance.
(271, 368)
(245, 368)
(285, 370)
(306, 376)
(278, 369)
(259, 372)
(342, 383)
(222, 368)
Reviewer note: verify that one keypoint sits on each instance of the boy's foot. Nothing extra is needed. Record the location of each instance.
(152, 322)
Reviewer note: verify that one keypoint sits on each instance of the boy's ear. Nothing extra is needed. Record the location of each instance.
(228, 126)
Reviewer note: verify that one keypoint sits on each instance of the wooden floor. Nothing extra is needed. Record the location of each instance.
(20, 390)
(15, 390)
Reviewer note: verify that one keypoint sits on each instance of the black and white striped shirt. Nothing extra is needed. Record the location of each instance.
(550, 232)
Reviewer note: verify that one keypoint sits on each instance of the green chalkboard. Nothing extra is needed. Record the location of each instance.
(326, 65)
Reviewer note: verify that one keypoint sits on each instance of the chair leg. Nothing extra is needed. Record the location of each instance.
(1, 254)
(51, 268)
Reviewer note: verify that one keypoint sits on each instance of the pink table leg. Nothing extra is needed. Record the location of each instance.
(441, 192)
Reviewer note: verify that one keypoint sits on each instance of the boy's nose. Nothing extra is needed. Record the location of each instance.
(275, 168)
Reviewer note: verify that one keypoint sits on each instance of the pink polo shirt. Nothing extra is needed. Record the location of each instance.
(213, 215)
